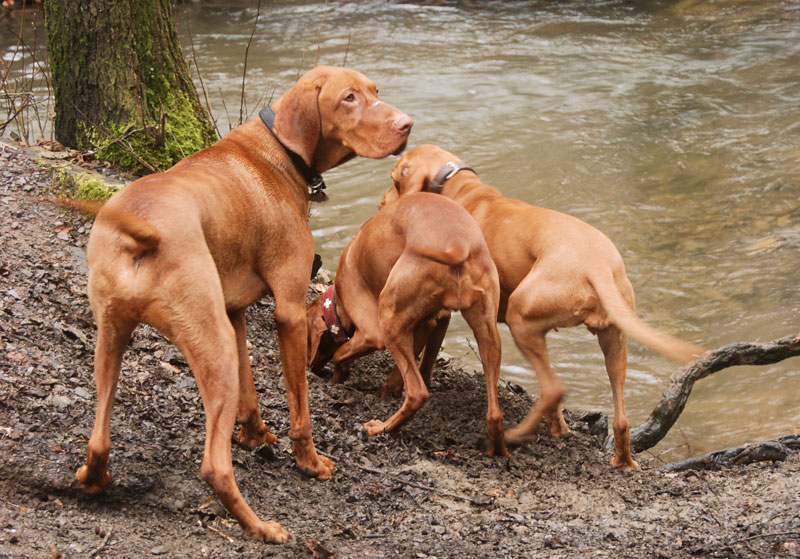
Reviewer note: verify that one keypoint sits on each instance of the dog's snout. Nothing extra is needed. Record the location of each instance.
(403, 123)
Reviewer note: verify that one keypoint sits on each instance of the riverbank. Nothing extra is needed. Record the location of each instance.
(428, 492)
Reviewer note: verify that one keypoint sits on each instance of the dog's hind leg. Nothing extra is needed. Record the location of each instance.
(484, 325)
(253, 431)
(428, 336)
(113, 334)
(397, 329)
(198, 324)
(613, 342)
(529, 334)
(432, 345)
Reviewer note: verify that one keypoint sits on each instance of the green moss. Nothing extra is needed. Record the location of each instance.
(68, 181)
(183, 134)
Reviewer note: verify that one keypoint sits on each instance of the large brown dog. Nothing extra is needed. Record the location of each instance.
(189, 249)
(411, 264)
(555, 271)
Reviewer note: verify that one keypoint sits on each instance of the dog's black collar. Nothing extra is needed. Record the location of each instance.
(446, 172)
(316, 186)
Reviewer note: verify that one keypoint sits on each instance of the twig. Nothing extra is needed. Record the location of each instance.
(472, 349)
(319, 32)
(103, 543)
(260, 100)
(122, 139)
(225, 108)
(199, 74)
(221, 533)
(244, 72)
(10, 503)
(314, 547)
(17, 111)
(770, 535)
(347, 48)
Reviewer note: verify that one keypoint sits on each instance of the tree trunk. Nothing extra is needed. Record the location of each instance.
(122, 85)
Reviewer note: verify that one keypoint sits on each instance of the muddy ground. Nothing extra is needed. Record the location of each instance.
(428, 492)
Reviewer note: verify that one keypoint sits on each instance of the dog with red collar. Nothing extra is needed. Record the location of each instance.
(398, 280)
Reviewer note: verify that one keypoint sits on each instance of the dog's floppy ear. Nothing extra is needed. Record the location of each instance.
(297, 119)
(316, 329)
(410, 177)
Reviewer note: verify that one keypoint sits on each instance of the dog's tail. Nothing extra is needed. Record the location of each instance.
(84, 205)
(627, 320)
(454, 255)
(144, 234)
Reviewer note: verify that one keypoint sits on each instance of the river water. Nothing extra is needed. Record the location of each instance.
(674, 127)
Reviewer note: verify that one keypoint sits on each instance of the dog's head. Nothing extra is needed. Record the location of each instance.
(321, 345)
(333, 114)
(415, 170)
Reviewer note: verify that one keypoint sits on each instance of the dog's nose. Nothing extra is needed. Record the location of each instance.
(403, 123)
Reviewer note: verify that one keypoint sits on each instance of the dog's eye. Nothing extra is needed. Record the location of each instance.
(350, 97)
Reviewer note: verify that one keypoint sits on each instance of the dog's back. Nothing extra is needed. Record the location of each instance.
(425, 243)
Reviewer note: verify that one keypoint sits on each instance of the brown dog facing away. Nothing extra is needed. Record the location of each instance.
(405, 270)
(187, 250)
(555, 271)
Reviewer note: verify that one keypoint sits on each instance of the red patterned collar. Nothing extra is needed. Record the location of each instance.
(331, 317)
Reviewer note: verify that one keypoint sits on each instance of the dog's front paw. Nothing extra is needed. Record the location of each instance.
(269, 531)
(318, 466)
(628, 463)
(92, 482)
(375, 427)
(252, 438)
(558, 427)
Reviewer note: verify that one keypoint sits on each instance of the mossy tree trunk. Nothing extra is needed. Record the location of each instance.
(122, 85)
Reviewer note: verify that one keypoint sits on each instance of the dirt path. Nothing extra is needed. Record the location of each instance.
(429, 492)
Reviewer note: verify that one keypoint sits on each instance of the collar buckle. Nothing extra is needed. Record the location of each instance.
(314, 182)
(447, 171)
(450, 168)
(316, 189)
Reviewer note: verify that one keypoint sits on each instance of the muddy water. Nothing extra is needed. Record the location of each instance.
(672, 127)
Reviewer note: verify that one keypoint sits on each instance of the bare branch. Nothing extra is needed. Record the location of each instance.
(244, 73)
(666, 413)
(319, 32)
(209, 108)
(772, 451)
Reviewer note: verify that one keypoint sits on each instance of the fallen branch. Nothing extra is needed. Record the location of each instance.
(768, 535)
(666, 413)
(103, 543)
(221, 533)
(773, 451)
(317, 550)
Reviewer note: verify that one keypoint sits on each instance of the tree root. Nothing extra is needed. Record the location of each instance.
(774, 450)
(666, 413)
